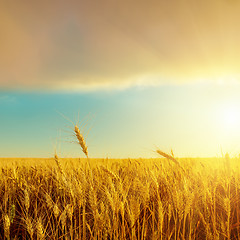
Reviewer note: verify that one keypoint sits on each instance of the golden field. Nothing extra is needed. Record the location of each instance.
(120, 198)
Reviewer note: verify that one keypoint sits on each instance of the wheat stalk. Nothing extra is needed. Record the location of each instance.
(6, 225)
(56, 210)
(49, 201)
(81, 140)
(29, 227)
(26, 199)
(63, 218)
(167, 156)
(58, 164)
(39, 229)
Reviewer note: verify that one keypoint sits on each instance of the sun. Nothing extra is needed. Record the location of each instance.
(230, 117)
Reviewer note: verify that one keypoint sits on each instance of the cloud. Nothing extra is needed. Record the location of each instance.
(94, 44)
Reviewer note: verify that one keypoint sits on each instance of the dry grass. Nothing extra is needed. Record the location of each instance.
(120, 199)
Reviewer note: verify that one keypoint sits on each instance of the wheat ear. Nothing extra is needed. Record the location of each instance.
(168, 157)
(81, 140)
(6, 225)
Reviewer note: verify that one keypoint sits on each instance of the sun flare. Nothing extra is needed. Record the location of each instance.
(230, 117)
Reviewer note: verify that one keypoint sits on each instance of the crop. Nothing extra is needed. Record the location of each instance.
(162, 198)
(120, 199)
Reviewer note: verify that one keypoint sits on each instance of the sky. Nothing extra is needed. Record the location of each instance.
(140, 75)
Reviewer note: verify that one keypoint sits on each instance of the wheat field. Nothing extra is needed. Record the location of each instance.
(120, 198)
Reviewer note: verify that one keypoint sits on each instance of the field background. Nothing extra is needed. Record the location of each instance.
(120, 198)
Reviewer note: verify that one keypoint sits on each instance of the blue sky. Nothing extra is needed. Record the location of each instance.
(121, 123)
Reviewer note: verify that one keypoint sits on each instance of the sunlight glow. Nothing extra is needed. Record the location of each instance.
(230, 117)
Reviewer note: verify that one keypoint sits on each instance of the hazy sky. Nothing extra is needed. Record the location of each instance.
(162, 73)
(85, 44)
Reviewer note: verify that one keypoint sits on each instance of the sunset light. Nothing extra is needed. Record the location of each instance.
(120, 120)
(231, 118)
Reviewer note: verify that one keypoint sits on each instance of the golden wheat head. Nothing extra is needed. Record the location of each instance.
(167, 156)
(81, 140)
